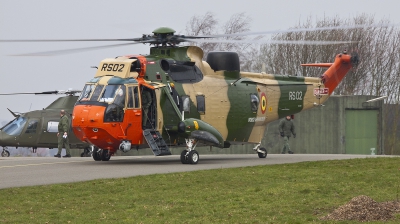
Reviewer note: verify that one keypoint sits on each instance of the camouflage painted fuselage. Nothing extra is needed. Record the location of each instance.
(230, 105)
(228, 102)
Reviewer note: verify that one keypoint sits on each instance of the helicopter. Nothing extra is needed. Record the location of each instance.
(190, 102)
(38, 128)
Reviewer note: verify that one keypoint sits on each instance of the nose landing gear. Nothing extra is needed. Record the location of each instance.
(5, 152)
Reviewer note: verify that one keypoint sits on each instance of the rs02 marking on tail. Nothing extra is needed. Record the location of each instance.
(295, 95)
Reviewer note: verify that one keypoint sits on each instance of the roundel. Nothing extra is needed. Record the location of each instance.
(263, 103)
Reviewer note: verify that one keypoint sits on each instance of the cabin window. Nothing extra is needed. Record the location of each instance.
(133, 97)
(254, 102)
(52, 126)
(15, 127)
(32, 125)
(185, 104)
(87, 90)
(201, 104)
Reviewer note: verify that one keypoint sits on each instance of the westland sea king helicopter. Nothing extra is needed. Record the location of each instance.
(172, 97)
(38, 129)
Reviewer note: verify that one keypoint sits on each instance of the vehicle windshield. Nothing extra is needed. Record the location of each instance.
(15, 127)
(113, 94)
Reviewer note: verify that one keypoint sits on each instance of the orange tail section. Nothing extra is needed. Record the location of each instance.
(336, 71)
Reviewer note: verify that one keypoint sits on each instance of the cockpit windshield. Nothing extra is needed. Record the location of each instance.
(113, 93)
(15, 127)
(115, 96)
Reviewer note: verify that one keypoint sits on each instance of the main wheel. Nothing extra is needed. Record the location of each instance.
(193, 157)
(262, 154)
(105, 156)
(87, 152)
(97, 153)
(5, 153)
(184, 158)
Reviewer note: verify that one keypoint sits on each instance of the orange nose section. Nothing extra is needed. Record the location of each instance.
(88, 126)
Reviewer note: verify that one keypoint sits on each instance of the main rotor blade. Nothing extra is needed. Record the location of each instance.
(300, 30)
(68, 40)
(75, 50)
(304, 42)
(39, 93)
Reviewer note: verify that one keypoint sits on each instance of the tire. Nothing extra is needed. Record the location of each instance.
(262, 155)
(97, 154)
(87, 152)
(184, 158)
(5, 153)
(193, 157)
(105, 156)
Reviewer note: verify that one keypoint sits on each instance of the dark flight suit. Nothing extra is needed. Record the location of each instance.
(146, 103)
(286, 128)
(63, 126)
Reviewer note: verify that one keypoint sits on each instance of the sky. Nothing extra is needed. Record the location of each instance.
(77, 19)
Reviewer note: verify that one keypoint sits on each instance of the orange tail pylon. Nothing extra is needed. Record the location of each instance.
(336, 71)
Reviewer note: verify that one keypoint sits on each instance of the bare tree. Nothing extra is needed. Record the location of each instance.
(378, 73)
(207, 25)
(203, 26)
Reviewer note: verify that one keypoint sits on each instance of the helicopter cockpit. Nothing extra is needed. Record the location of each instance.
(113, 95)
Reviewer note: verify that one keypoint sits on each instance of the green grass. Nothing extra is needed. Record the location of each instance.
(287, 193)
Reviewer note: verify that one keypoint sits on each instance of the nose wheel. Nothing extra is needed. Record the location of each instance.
(100, 154)
(5, 152)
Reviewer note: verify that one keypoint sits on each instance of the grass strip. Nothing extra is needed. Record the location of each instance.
(285, 193)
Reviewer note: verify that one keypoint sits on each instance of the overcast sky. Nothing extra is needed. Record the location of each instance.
(54, 19)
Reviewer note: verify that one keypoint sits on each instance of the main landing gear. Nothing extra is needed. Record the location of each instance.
(100, 154)
(189, 155)
(87, 152)
(262, 152)
(5, 152)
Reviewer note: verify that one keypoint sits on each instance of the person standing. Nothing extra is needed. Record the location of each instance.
(286, 129)
(146, 102)
(63, 136)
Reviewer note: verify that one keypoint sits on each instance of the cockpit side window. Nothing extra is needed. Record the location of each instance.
(87, 90)
(32, 125)
(15, 127)
(133, 97)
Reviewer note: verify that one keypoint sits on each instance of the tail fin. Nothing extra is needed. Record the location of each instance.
(337, 70)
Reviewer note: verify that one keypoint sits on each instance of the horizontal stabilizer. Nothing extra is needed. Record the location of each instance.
(322, 65)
